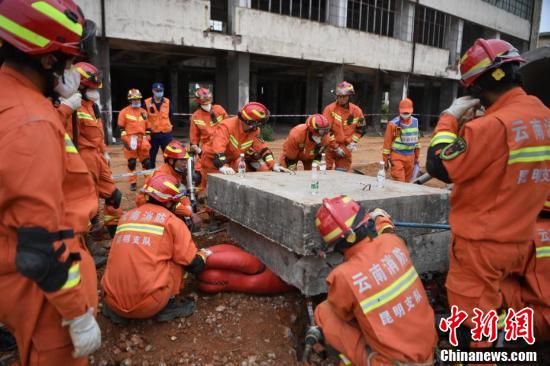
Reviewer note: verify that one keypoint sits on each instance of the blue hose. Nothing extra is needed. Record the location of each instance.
(418, 225)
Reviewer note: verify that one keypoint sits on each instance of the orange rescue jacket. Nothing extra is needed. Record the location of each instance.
(159, 120)
(134, 121)
(299, 147)
(502, 178)
(202, 123)
(344, 123)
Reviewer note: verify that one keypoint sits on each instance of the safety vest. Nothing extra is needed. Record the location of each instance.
(407, 140)
(159, 120)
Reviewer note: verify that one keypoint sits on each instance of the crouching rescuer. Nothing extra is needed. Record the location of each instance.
(376, 311)
(150, 254)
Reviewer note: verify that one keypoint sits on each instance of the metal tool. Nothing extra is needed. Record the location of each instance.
(313, 334)
(124, 175)
(419, 225)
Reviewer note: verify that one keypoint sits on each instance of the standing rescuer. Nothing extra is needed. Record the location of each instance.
(376, 311)
(306, 143)
(401, 147)
(150, 254)
(498, 164)
(135, 133)
(47, 277)
(348, 126)
(204, 119)
(160, 113)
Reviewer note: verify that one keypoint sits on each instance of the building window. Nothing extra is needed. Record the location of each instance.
(430, 26)
(521, 8)
(315, 10)
(373, 16)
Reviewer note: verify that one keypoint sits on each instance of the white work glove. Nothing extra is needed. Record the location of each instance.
(107, 157)
(377, 212)
(205, 252)
(68, 83)
(227, 170)
(74, 101)
(461, 105)
(196, 149)
(340, 152)
(85, 334)
(279, 169)
(352, 146)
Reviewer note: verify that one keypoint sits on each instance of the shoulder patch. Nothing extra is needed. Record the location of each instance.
(454, 149)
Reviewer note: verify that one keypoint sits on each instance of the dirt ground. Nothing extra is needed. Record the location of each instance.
(227, 328)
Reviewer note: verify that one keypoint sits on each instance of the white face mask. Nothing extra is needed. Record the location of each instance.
(207, 107)
(405, 115)
(316, 139)
(68, 84)
(93, 95)
(136, 104)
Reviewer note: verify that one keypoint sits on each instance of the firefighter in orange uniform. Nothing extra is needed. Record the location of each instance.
(401, 147)
(160, 114)
(377, 311)
(151, 237)
(498, 164)
(348, 126)
(232, 137)
(47, 277)
(135, 135)
(204, 119)
(175, 165)
(306, 143)
(92, 148)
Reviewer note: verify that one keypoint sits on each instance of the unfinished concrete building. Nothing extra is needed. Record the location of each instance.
(289, 54)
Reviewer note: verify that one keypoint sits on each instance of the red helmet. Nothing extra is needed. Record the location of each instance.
(203, 96)
(134, 94)
(318, 125)
(254, 114)
(486, 54)
(337, 218)
(41, 27)
(344, 88)
(90, 77)
(163, 188)
(175, 150)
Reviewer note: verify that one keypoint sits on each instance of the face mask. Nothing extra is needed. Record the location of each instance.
(67, 84)
(316, 139)
(206, 107)
(405, 115)
(93, 95)
(158, 94)
(136, 104)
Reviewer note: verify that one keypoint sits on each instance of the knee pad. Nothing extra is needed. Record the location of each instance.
(114, 199)
(146, 163)
(132, 162)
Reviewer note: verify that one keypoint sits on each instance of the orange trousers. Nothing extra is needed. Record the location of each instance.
(346, 338)
(207, 166)
(402, 167)
(478, 269)
(141, 153)
(153, 302)
(35, 322)
(102, 176)
(339, 163)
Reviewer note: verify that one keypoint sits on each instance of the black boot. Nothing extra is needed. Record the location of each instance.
(173, 310)
(133, 187)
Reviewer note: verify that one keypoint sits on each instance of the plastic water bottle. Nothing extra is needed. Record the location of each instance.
(314, 179)
(242, 166)
(381, 176)
(323, 165)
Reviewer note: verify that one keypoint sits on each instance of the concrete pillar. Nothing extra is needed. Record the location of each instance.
(103, 61)
(338, 12)
(174, 95)
(238, 67)
(253, 86)
(375, 102)
(332, 75)
(535, 24)
(220, 86)
(231, 8)
(403, 20)
(312, 91)
(453, 40)
(397, 92)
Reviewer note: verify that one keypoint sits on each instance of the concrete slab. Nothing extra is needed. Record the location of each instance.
(273, 215)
